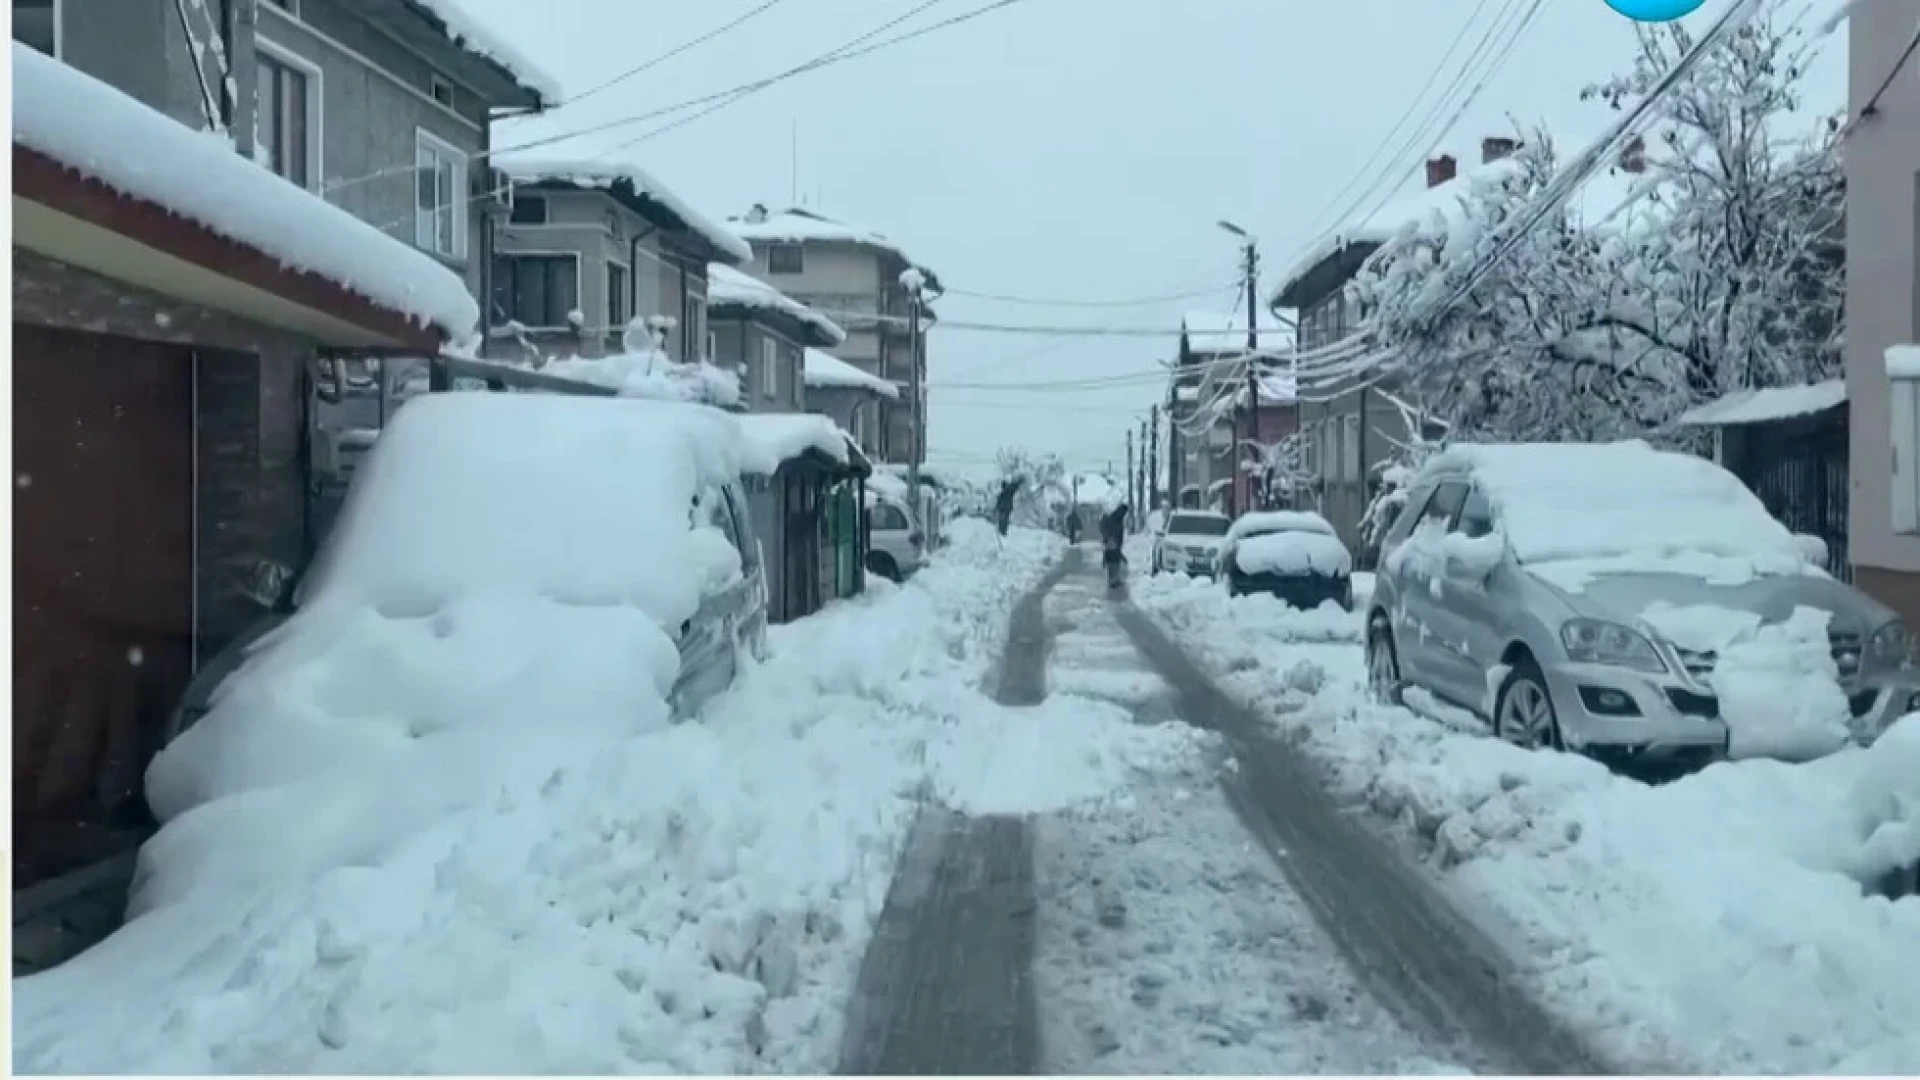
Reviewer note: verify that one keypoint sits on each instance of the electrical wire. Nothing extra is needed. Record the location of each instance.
(677, 50)
(1143, 301)
(1872, 107)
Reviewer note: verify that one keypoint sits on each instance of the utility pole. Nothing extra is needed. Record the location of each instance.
(1140, 487)
(1153, 458)
(913, 280)
(1130, 473)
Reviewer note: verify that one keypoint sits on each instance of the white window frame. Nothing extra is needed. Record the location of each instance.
(289, 7)
(1350, 448)
(786, 246)
(1904, 433)
(425, 232)
(614, 324)
(769, 367)
(316, 104)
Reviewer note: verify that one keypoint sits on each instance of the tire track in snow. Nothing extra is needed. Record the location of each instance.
(946, 985)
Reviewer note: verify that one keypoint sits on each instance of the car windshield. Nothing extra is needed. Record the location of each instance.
(1197, 525)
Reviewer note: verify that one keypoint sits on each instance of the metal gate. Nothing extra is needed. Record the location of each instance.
(1801, 478)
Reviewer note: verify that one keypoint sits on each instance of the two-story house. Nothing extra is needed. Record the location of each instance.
(169, 323)
(586, 247)
(763, 335)
(1208, 403)
(1883, 304)
(1353, 424)
(852, 275)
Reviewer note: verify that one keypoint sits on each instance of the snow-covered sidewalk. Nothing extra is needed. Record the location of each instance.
(688, 898)
(1724, 922)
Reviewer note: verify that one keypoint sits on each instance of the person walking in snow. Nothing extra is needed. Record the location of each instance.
(1113, 536)
(1003, 506)
(1073, 526)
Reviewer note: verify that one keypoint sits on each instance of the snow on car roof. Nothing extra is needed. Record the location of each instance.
(604, 175)
(98, 131)
(1615, 501)
(1274, 521)
(773, 439)
(824, 369)
(725, 285)
(579, 499)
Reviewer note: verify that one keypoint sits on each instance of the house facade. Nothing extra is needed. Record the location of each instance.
(586, 248)
(1883, 304)
(167, 328)
(853, 277)
(847, 395)
(762, 335)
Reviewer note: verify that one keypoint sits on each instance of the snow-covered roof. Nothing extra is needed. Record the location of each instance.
(773, 439)
(797, 226)
(1624, 503)
(619, 178)
(827, 370)
(1772, 403)
(475, 36)
(725, 285)
(1226, 332)
(1426, 212)
(101, 133)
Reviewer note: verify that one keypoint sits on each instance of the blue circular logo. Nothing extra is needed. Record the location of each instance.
(1655, 11)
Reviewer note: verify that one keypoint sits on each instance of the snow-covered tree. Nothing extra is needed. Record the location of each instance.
(1043, 496)
(1279, 468)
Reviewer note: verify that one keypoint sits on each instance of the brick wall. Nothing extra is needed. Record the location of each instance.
(250, 434)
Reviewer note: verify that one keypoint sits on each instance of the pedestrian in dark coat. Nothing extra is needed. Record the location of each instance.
(1003, 506)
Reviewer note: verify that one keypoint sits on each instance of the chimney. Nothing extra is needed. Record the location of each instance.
(757, 215)
(1440, 169)
(1495, 147)
(1633, 156)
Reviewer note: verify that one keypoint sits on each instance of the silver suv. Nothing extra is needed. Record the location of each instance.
(1555, 645)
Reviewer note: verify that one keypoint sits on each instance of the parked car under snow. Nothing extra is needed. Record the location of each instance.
(1293, 555)
(1629, 602)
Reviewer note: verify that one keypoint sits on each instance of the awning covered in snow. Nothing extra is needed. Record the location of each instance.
(1772, 403)
(105, 183)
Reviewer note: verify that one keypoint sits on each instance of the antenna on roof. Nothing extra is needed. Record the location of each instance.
(793, 163)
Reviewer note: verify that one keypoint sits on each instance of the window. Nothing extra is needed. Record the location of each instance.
(528, 210)
(291, 7)
(1476, 516)
(889, 517)
(619, 293)
(287, 115)
(770, 367)
(1350, 448)
(695, 325)
(785, 259)
(36, 24)
(440, 197)
(1440, 509)
(536, 290)
(441, 90)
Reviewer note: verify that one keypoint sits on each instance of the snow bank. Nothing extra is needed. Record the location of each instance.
(829, 371)
(556, 885)
(1725, 922)
(102, 133)
(1625, 507)
(727, 286)
(773, 439)
(652, 375)
(1065, 752)
(1779, 690)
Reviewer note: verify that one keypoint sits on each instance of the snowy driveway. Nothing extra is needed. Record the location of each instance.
(1727, 922)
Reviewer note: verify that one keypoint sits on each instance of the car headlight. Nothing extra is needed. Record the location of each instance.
(1890, 647)
(1593, 641)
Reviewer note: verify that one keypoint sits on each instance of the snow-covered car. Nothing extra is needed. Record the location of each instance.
(1189, 542)
(896, 546)
(1628, 602)
(1293, 555)
(560, 505)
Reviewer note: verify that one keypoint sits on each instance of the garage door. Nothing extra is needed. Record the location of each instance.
(102, 570)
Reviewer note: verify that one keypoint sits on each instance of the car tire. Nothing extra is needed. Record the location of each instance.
(882, 564)
(1383, 664)
(1523, 712)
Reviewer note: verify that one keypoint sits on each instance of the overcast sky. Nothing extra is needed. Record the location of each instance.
(1067, 150)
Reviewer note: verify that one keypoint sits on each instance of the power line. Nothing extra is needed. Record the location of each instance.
(1142, 301)
(673, 52)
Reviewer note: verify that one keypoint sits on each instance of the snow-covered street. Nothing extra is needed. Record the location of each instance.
(1730, 921)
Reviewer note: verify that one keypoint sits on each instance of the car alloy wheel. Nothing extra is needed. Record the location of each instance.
(1383, 667)
(1524, 715)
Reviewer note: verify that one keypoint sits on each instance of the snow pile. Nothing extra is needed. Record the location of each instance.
(773, 439)
(1065, 752)
(549, 880)
(1726, 922)
(102, 133)
(727, 287)
(827, 371)
(1624, 507)
(651, 374)
(1779, 690)
(621, 179)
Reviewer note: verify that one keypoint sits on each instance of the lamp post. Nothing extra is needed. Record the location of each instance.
(1250, 272)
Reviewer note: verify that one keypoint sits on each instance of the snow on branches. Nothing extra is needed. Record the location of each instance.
(1718, 267)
